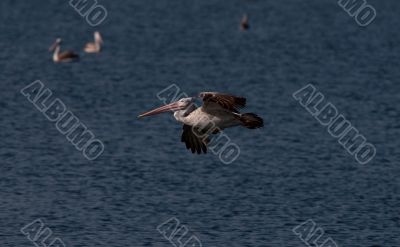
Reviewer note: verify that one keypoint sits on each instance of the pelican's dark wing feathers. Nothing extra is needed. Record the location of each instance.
(226, 101)
(192, 141)
(68, 55)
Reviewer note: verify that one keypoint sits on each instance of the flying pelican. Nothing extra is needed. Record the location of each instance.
(218, 112)
(65, 56)
(96, 46)
(244, 24)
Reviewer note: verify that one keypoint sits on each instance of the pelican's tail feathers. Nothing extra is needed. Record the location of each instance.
(251, 121)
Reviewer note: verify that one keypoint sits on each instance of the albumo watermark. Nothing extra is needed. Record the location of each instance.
(95, 13)
(40, 235)
(363, 13)
(338, 126)
(65, 121)
(313, 236)
(177, 234)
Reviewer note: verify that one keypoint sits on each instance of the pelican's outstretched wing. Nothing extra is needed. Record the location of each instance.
(193, 142)
(229, 102)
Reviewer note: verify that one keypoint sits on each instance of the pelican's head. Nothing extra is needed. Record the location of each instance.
(55, 44)
(97, 37)
(179, 105)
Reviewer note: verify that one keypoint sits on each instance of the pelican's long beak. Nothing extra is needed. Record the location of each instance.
(170, 107)
(53, 46)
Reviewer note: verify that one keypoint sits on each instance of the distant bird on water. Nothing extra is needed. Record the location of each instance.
(66, 56)
(218, 112)
(94, 47)
(244, 24)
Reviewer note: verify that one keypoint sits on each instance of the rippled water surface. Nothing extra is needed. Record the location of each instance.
(289, 171)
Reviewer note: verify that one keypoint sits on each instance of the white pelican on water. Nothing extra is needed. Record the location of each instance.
(66, 56)
(94, 47)
(218, 112)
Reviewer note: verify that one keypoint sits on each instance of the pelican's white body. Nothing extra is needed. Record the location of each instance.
(210, 118)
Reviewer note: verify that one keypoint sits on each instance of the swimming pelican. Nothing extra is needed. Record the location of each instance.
(66, 56)
(218, 112)
(244, 24)
(96, 46)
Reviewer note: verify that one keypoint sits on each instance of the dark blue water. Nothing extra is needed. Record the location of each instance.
(290, 171)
